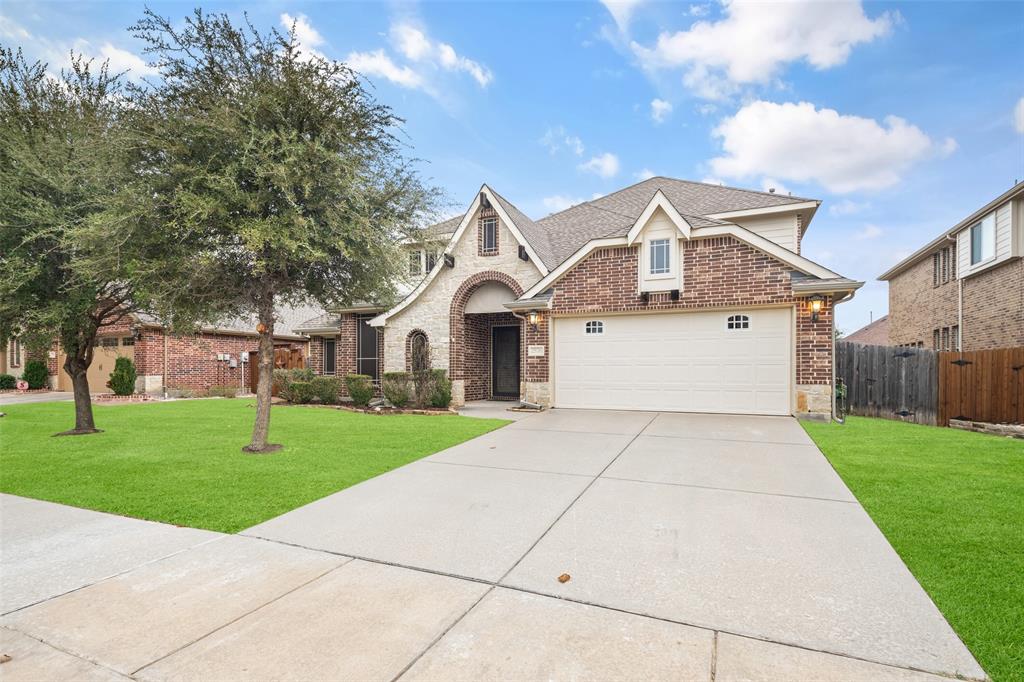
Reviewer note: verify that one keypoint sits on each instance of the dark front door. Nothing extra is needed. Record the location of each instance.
(505, 362)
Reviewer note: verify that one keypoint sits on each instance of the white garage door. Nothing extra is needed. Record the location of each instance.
(734, 362)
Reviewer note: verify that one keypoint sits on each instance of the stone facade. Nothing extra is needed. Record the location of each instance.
(432, 310)
(993, 306)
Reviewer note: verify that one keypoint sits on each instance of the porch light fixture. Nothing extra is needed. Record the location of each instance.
(815, 300)
(533, 318)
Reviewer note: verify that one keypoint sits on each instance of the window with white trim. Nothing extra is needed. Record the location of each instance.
(431, 260)
(415, 262)
(738, 322)
(15, 357)
(330, 356)
(983, 239)
(660, 257)
(490, 236)
(594, 327)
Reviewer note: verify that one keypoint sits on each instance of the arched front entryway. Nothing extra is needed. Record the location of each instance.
(485, 358)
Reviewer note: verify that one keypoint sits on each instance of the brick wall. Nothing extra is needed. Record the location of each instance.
(916, 307)
(476, 366)
(536, 369)
(813, 344)
(994, 307)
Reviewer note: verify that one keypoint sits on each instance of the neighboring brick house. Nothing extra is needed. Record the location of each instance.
(174, 363)
(666, 295)
(12, 357)
(965, 289)
(874, 334)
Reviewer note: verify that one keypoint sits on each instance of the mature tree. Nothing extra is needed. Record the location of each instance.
(279, 170)
(70, 264)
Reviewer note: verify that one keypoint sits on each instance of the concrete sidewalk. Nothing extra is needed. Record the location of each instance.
(698, 547)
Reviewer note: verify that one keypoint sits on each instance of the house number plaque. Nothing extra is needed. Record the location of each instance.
(535, 351)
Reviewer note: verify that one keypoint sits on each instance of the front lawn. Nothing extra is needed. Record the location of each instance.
(952, 504)
(181, 462)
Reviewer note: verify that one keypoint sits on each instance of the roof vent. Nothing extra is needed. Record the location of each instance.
(771, 190)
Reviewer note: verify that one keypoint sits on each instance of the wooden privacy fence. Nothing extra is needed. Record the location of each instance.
(284, 358)
(930, 387)
(889, 382)
(982, 385)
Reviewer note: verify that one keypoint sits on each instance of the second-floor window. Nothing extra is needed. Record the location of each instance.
(661, 263)
(944, 266)
(983, 240)
(415, 262)
(489, 235)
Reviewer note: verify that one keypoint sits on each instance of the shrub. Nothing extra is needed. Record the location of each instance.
(222, 391)
(35, 374)
(360, 388)
(284, 378)
(423, 387)
(441, 394)
(122, 379)
(7, 381)
(300, 392)
(325, 389)
(398, 388)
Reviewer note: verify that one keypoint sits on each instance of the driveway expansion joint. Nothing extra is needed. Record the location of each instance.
(728, 490)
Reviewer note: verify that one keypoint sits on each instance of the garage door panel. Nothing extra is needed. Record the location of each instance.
(676, 362)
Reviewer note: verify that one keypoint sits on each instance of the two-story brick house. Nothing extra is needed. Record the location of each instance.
(666, 295)
(964, 290)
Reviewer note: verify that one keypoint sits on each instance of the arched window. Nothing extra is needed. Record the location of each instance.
(594, 327)
(419, 352)
(738, 322)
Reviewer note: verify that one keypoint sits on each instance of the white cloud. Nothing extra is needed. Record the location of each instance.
(644, 174)
(12, 30)
(417, 46)
(801, 143)
(560, 202)
(379, 64)
(558, 137)
(308, 38)
(621, 11)
(1018, 116)
(605, 165)
(698, 10)
(755, 40)
(660, 109)
(123, 60)
(846, 207)
(869, 232)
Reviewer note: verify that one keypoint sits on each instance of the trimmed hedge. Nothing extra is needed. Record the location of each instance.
(222, 391)
(441, 393)
(360, 388)
(7, 381)
(122, 379)
(35, 374)
(300, 392)
(325, 389)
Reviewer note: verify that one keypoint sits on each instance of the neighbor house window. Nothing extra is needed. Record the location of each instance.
(661, 263)
(489, 234)
(954, 337)
(128, 341)
(945, 338)
(109, 342)
(329, 356)
(415, 262)
(983, 240)
(15, 360)
(594, 327)
(738, 322)
(431, 260)
(936, 339)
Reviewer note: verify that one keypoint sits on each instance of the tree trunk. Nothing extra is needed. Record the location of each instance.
(261, 428)
(77, 367)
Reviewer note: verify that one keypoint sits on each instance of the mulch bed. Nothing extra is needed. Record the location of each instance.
(377, 410)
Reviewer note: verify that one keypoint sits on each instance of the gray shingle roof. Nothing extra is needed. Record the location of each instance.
(445, 227)
(612, 215)
(535, 234)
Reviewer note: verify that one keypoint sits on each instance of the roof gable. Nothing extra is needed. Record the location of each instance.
(658, 201)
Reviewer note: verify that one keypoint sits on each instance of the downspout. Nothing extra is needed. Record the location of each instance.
(836, 302)
(959, 292)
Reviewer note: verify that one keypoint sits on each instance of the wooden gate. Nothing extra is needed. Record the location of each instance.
(889, 382)
(284, 358)
(984, 385)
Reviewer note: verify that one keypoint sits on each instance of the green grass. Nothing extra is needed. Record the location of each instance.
(952, 504)
(181, 462)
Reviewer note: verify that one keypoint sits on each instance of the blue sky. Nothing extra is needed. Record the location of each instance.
(902, 117)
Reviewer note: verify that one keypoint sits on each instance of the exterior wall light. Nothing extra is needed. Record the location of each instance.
(533, 318)
(815, 300)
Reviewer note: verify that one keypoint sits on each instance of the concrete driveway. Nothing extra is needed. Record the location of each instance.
(697, 547)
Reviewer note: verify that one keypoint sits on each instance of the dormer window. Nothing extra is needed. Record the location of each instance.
(660, 256)
(738, 322)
